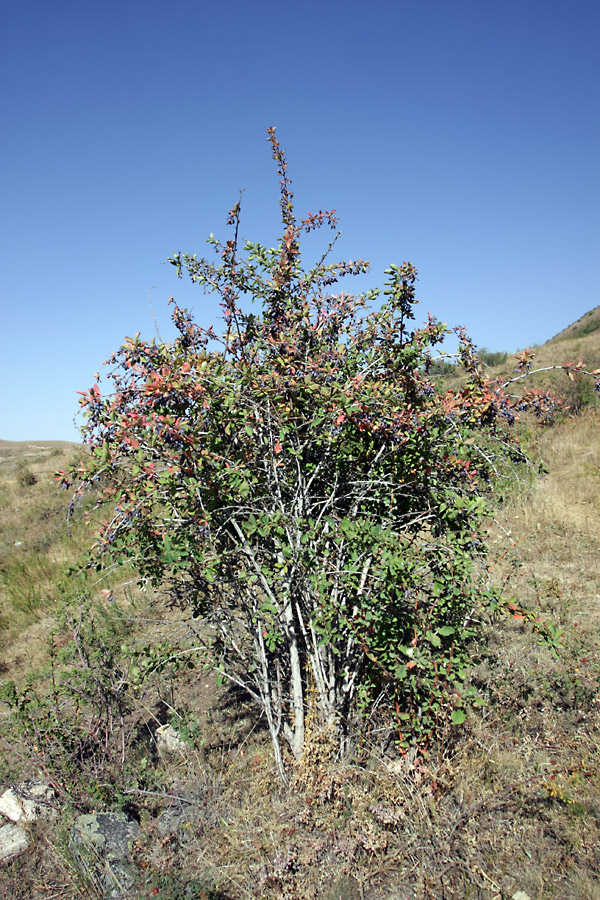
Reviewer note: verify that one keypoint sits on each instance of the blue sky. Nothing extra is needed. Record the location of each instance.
(462, 136)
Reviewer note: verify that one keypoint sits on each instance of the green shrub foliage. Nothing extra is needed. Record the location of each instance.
(300, 481)
(491, 358)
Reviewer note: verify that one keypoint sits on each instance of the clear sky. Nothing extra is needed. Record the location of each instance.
(462, 136)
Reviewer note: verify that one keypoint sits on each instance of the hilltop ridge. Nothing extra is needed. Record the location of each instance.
(586, 324)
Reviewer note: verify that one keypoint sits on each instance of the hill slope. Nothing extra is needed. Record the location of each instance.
(587, 324)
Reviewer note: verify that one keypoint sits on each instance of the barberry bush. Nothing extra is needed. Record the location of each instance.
(303, 483)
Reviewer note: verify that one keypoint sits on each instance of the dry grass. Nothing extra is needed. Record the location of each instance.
(38, 543)
(45, 872)
(34, 535)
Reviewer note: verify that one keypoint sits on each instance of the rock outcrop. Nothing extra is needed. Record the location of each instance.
(21, 804)
(101, 844)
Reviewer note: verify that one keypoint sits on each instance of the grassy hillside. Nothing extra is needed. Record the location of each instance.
(580, 341)
(35, 546)
(582, 328)
(510, 802)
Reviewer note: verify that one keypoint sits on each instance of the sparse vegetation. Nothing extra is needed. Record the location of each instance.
(36, 543)
(588, 324)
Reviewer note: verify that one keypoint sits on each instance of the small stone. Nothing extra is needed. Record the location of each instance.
(168, 741)
(520, 895)
(13, 841)
(28, 801)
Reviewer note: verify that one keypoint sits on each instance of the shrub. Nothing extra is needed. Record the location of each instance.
(577, 392)
(26, 478)
(301, 483)
(443, 367)
(491, 358)
(77, 730)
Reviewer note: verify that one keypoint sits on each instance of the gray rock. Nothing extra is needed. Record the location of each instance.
(13, 841)
(168, 742)
(101, 847)
(28, 801)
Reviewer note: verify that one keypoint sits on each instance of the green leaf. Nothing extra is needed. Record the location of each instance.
(445, 630)
(458, 716)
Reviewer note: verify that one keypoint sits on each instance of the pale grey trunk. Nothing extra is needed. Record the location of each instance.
(265, 688)
(295, 730)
